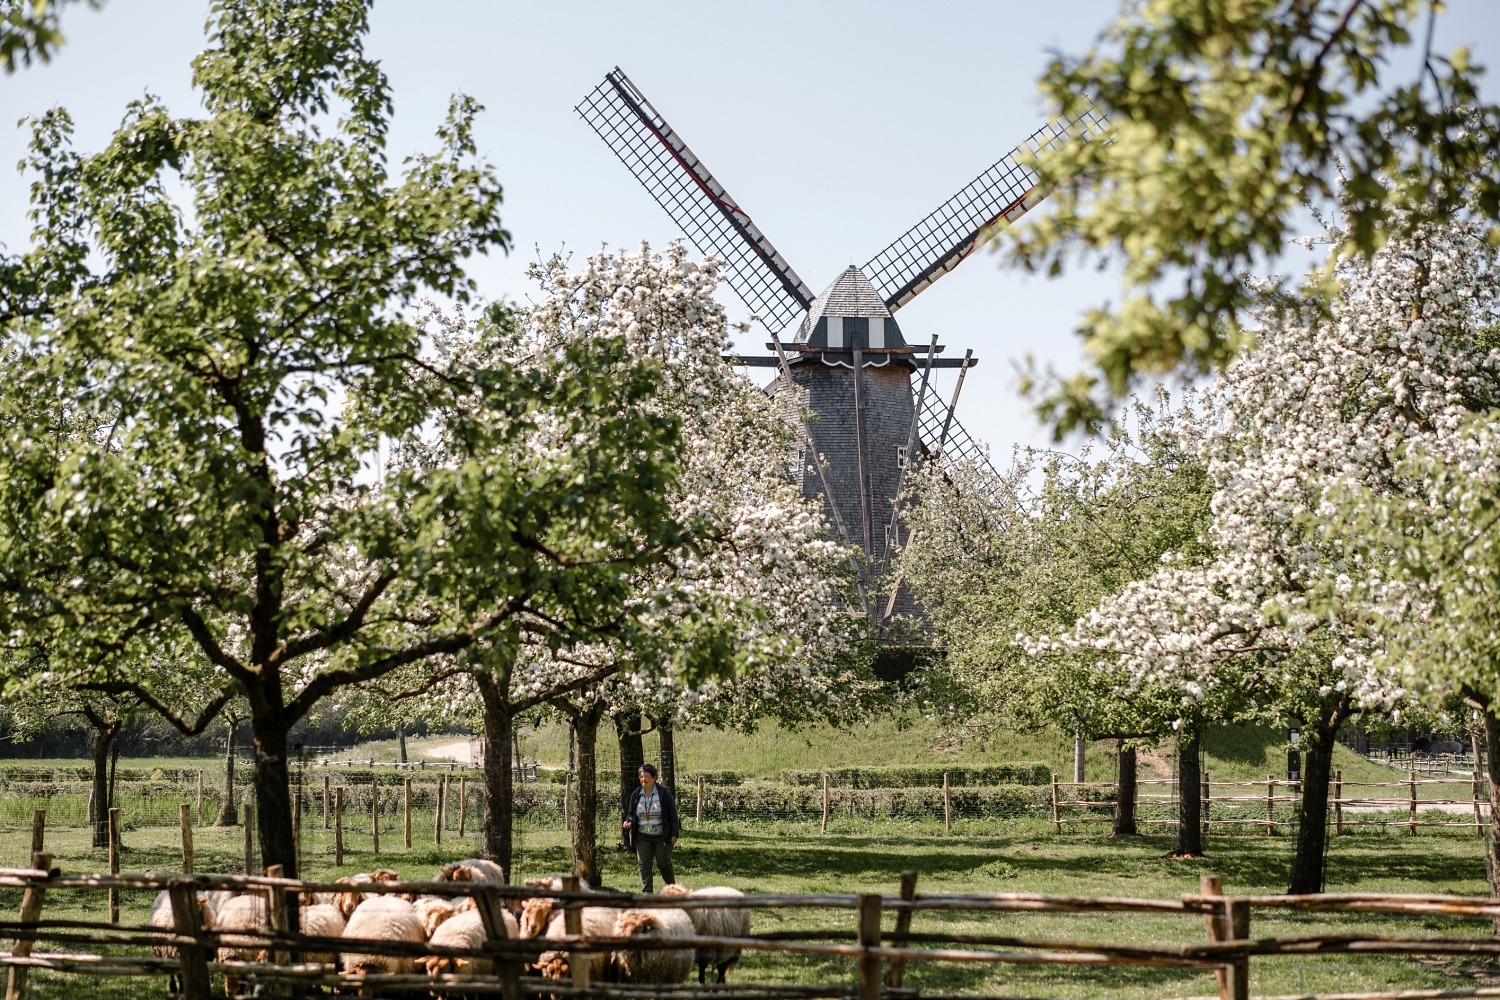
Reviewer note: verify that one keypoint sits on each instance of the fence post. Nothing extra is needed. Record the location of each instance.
(437, 812)
(1207, 798)
(1338, 801)
(578, 961)
(490, 914)
(406, 811)
(1270, 805)
(947, 806)
(277, 917)
(698, 813)
(1478, 823)
(1231, 922)
(200, 797)
(374, 816)
(869, 940)
(338, 826)
(249, 839)
(325, 801)
(31, 912)
(114, 863)
(568, 801)
(38, 831)
(185, 819)
(1411, 819)
(897, 968)
(825, 803)
(1056, 816)
(463, 802)
(192, 959)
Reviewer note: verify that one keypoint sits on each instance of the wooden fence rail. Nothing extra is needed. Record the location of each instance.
(877, 961)
(1281, 792)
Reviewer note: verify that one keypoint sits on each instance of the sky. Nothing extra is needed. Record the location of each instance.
(836, 124)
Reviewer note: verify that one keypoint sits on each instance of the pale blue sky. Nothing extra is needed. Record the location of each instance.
(836, 124)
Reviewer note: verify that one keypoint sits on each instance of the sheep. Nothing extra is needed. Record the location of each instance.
(715, 921)
(472, 870)
(163, 918)
(321, 920)
(388, 918)
(432, 911)
(653, 965)
(465, 929)
(241, 913)
(595, 921)
(347, 900)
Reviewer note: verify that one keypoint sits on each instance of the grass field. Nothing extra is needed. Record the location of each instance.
(980, 856)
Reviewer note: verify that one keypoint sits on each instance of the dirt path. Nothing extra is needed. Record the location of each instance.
(458, 750)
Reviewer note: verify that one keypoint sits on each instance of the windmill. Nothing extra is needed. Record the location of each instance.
(847, 360)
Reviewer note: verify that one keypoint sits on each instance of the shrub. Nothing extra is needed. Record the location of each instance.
(925, 776)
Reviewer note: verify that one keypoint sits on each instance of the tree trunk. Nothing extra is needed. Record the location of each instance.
(632, 753)
(1312, 814)
(1189, 789)
(585, 726)
(273, 787)
(1125, 792)
(228, 815)
(668, 753)
(499, 788)
(1492, 773)
(401, 744)
(1079, 746)
(103, 742)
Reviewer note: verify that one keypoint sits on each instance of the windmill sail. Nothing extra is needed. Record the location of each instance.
(697, 202)
(996, 198)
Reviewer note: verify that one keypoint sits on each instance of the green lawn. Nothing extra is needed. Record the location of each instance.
(980, 856)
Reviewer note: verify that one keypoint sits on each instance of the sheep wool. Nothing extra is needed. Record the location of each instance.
(241, 913)
(596, 921)
(472, 870)
(383, 918)
(464, 930)
(715, 921)
(654, 965)
(321, 920)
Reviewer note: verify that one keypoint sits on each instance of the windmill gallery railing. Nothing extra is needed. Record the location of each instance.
(875, 960)
(1400, 805)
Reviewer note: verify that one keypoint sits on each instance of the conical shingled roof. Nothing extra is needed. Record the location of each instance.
(848, 307)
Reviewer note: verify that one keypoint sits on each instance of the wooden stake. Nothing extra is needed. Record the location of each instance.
(1230, 923)
(698, 813)
(325, 801)
(114, 864)
(185, 820)
(1338, 803)
(297, 828)
(492, 916)
(338, 826)
(1478, 822)
(825, 803)
(200, 796)
(947, 806)
(1411, 820)
(869, 940)
(463, 803)
(374, 817)
(578, 961)
(31, 912)
(38, 831)
(1270, 805)
(1056, 816)
(897, 968)
(406, 811)
(1203, 810)
(249, 839)
(187, 921)
(437, 817)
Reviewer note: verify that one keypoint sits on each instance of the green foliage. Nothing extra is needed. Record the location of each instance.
(924, 777)
(1226, 119)
(30, 31)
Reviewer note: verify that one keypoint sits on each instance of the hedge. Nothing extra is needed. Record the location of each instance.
(903, 776)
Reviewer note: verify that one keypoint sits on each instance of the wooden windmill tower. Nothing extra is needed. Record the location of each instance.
(842, 354)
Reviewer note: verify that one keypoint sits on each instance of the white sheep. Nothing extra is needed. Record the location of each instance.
(321, 920)
(347, 900)
(653, 965)
(241, 913)
(383, 918)
(714, 921)
(162, 918)
(465, 929)
(472, 870)
(432, 911)
(594, 921)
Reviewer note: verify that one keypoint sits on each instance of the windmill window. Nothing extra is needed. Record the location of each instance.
(901, 456)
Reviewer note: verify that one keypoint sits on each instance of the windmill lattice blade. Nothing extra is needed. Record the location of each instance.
(959, 446)
(996, 198)
(697, 202)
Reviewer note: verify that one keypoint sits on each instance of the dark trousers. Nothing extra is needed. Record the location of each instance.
(657, 851)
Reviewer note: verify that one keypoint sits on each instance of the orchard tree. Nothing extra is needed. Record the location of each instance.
(1225, 120)
(250, 353)
(1323, 408)
(998, 558)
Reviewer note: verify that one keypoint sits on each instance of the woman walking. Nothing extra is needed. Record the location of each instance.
(652, 827)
